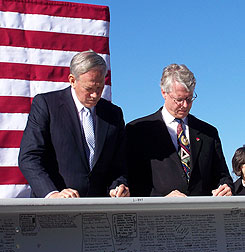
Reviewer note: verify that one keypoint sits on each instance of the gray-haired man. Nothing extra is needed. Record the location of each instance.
(73, 144)
(171, 152)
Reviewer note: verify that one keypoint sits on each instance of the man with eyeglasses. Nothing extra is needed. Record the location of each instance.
(171, 152)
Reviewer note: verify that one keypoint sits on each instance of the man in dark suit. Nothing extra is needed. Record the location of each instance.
(171, 152)
(73, 144)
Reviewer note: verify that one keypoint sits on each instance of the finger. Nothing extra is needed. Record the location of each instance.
(225, 192)
(120, 191)
(75, 194)
(218, 190)
(70, 193)
(125, 192)
(113, 193)
(176, 193)
(221, 190)
(215, 192)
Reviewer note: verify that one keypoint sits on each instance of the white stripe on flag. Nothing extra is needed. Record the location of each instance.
(25, 88)
(15, 191)
(13, 121)
(40, 56)
(47, 23)
(106, 94)
(9, 156)
(36, 50)
(17, 121)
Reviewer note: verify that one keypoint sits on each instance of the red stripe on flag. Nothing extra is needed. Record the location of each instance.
(33, 72)
(38, 72)
(53, 41)
(55, 8)
(10, 138)
(13, 104)
(108, 78)
(11, 175)
(11, 71)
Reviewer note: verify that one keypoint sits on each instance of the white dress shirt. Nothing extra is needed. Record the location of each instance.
(80, 110)
(172, 126)
(80, 107)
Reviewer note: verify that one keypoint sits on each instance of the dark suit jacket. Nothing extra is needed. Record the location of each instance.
(52, 155)
(154, 165)
(239, 188)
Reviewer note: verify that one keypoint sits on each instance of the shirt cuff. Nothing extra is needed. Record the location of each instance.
(49, 194)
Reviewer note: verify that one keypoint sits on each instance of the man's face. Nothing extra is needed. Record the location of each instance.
(88, 87)
(177, 102)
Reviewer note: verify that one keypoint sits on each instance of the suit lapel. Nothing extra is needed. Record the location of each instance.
(195, 140)
(167, 141)
(100, 131)
(72, 122)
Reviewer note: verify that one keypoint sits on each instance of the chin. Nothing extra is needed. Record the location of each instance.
(91, 104)
(181, 115)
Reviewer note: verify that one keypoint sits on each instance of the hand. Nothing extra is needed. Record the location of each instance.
(120, 191)
(222, 190)
(66, 193)
(176, 193)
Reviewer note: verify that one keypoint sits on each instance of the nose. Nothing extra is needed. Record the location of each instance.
(94, 95)
(185, 104)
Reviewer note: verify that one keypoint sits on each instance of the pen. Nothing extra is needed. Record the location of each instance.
(117, 188)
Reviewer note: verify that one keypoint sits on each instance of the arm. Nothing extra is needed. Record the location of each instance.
(225, 186)
(37, 159)
(119, 188)
(138, 164)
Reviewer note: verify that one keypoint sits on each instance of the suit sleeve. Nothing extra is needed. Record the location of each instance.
(36, 158)
(119, 165)
(138, 163)
(222, 175)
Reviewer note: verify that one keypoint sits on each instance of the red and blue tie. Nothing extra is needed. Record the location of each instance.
(183, 148)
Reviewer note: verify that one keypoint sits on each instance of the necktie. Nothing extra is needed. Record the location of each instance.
(184, 148)
(88, 127)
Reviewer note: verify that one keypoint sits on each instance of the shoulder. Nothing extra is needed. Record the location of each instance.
(147, 126)
(105, 104)
(238, 182)
(109, 111)
(156, 116)
(107, 107)
(239, 188)
(53, 95)
(202, 126)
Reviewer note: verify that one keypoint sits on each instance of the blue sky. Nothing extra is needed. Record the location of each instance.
(207, 36)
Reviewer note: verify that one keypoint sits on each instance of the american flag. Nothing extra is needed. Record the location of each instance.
(38, 38)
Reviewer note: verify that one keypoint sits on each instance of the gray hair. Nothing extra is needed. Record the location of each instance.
(180, 74)
(85, 61)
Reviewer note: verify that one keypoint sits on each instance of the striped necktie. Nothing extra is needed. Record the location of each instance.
(183, 148)
(88, 127)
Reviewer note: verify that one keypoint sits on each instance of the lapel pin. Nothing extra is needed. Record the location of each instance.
(198, 139)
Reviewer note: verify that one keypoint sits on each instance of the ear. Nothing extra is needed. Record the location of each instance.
(164, 94)
(72, 80)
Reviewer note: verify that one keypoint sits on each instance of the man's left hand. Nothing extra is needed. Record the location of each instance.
(120, 191)
(222, 190)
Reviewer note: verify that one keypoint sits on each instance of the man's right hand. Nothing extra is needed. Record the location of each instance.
(176, 193)
(66, 193)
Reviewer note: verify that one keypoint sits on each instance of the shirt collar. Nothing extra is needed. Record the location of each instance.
(78, 104)
(243, 183)
(168, 118)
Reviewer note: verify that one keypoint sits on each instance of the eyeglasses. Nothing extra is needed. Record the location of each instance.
(180, 101)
